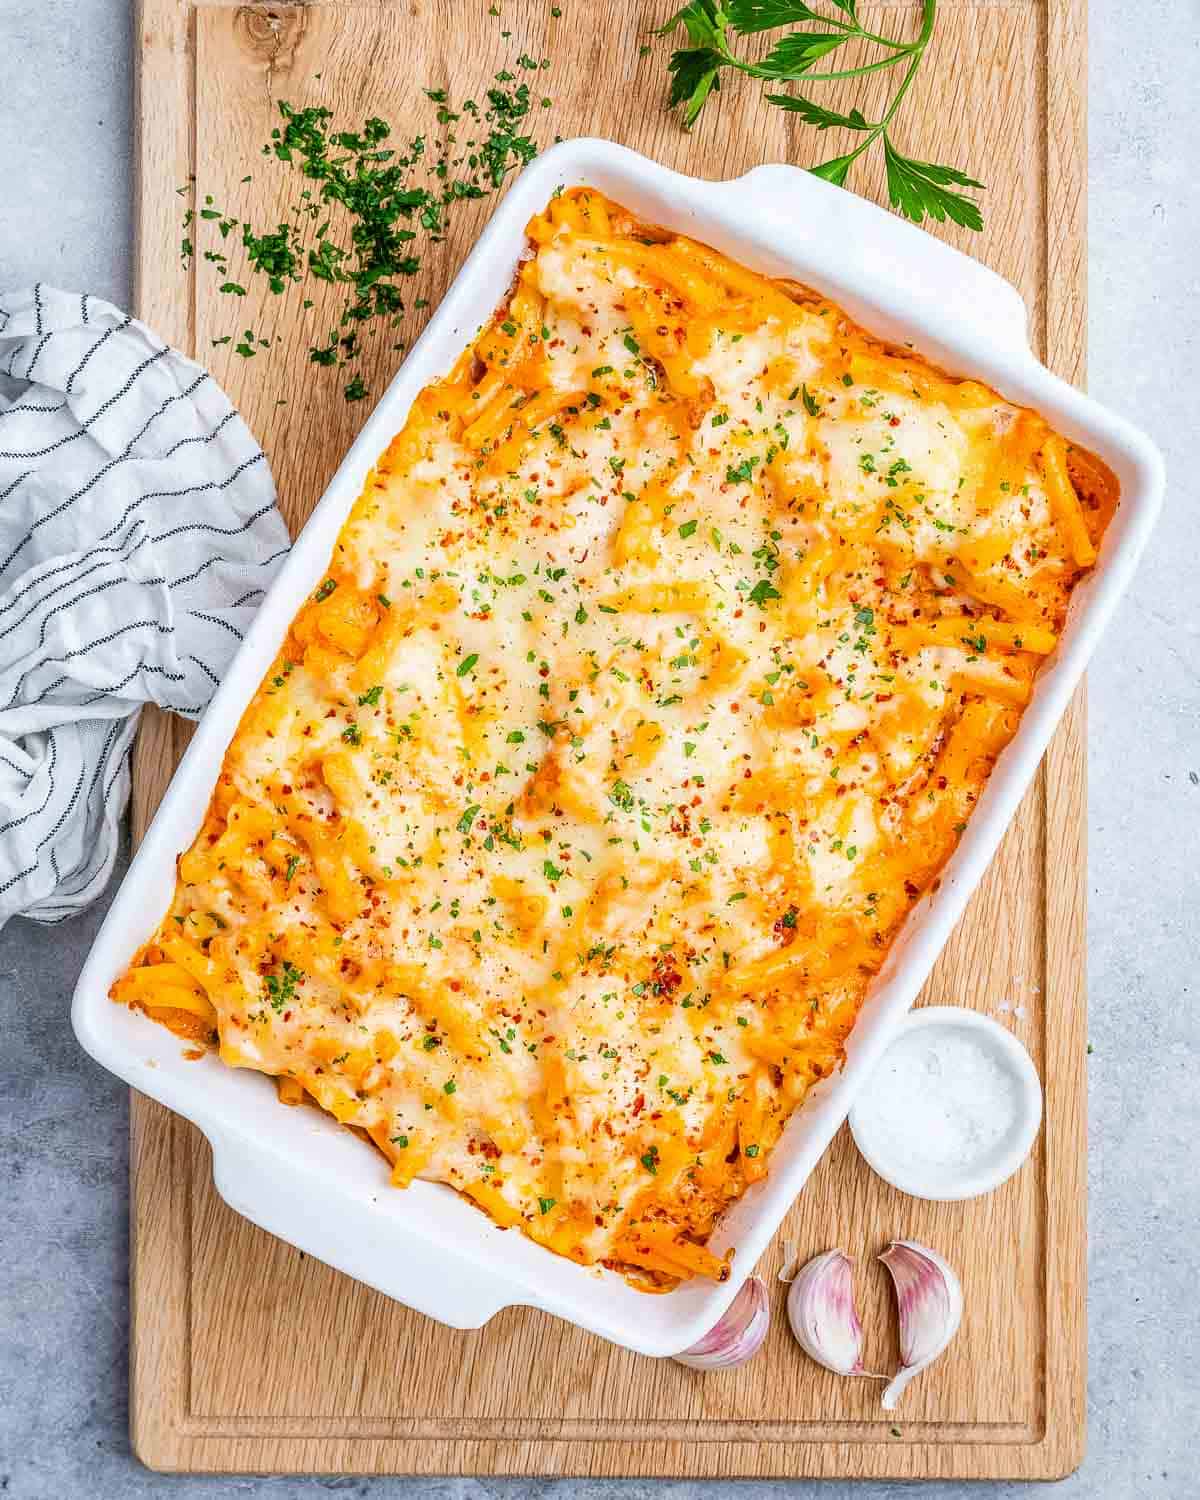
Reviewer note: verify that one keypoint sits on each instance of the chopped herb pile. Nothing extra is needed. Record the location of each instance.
(365, 204)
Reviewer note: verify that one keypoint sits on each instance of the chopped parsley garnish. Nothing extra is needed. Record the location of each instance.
(621, 796)
(762, 592)
(382, 195)
(281, 987)
(740, 473)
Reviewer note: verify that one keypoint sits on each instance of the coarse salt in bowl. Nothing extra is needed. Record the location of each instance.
(953, 1107)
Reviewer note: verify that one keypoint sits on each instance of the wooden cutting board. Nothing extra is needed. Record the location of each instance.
(248, 1356)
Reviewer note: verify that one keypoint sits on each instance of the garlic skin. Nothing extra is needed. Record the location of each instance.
(821, 1310)
(930, 1300)
(736, 1335)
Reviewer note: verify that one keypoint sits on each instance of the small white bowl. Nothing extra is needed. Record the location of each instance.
(949, 1182)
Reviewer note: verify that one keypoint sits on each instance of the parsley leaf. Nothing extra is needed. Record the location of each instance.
(815, 114)
(917, 188)
(749, 16)
(794, 55)
(701, 20)
(694, 75)
(835, 170)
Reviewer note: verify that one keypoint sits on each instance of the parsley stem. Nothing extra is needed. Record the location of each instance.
(884, 62)
(841, 25)
(884, 41)
(914, 49)
(917, 49)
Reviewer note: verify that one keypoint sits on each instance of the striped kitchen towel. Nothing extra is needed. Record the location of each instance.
(138, 532)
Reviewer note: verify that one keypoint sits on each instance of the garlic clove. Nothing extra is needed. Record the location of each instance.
(821, 1310)
(736, 1335)
(930, 1300)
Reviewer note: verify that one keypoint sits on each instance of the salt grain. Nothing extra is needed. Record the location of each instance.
(939, 1099)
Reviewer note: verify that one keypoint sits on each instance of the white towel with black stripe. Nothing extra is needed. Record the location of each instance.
(138, 532)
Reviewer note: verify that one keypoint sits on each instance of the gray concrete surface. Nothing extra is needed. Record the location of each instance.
(65, 103)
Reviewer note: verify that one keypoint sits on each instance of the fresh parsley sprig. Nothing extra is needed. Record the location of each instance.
(916, 188)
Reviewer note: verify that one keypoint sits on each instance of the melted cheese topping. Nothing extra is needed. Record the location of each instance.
(655, 675)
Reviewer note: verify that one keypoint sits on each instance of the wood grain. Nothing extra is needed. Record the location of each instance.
(248, 1356)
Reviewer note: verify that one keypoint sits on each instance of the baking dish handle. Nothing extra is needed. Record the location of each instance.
(346, 1233)
(933, 283)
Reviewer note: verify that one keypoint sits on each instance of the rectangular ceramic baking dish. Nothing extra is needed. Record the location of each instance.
(303, 1177)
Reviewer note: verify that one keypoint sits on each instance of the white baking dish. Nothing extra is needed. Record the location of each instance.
(313, 1183)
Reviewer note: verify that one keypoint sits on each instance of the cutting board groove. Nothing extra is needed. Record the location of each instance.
(248, 1356)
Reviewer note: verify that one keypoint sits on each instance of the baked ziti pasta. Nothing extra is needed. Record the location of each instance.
(654, 676)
